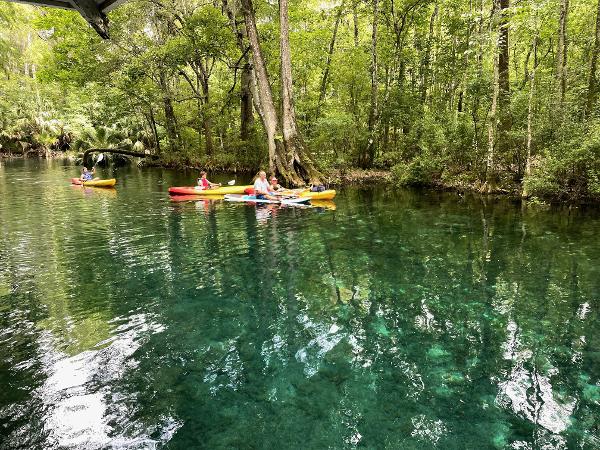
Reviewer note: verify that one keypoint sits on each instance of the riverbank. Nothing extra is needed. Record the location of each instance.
(340, 177)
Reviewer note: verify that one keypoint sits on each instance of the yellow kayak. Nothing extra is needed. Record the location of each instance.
(325, 195)
(95, 183)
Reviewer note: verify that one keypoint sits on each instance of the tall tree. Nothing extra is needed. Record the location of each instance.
(530, 109)
(265, 95)
(592, 93)
(503, 74)
(369, 154)
(247, 77)
(561, 53)
(170, 118)
(426, 65)
(325, 78)
(295, 165)
(288, 156)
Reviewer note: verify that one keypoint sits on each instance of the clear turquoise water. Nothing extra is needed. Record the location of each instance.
(399, 320)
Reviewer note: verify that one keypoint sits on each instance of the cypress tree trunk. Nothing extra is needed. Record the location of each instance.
(265, 96)
(295, 165)
(592, 93)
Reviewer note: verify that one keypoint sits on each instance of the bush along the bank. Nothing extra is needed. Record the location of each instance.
(570, 170)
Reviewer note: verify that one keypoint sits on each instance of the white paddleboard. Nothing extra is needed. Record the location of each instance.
(253, 199)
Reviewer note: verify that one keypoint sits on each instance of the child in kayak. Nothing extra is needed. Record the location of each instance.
(204, 184)
(262, 189)
(88, 175)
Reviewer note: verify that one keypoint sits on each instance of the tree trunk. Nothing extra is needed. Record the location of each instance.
(369, 155)
(476, 97)
(592, 93)
(386, 118)
(154, 130)
(206, 119)
(503, 113)
(426, 60)
(324, 80)
(491, 175)
(246, 115)
(267, 106)
(87, 161)
(246, 82)
(355, 21)
(295, 165)
(561, 53)
(170, 119)
(256, 100)
(530, 112)
(203, 71)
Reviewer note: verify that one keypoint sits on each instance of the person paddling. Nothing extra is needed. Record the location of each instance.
(204, 184)
(262, 189)
(87, 175)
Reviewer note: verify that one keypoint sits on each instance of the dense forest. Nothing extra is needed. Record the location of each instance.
(487, 94)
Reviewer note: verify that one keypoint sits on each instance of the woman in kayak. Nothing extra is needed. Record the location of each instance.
(262, 189)
(204, 183)
(88, 175)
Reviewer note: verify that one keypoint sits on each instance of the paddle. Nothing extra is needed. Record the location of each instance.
(199, 187)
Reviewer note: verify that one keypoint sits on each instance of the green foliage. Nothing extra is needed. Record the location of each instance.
(571, 171)
(169, 81)
(420, 171)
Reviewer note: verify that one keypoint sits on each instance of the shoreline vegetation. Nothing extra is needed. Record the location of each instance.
(334, 177)
(495, 97)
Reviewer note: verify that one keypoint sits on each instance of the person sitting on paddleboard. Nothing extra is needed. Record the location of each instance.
(262, 188)
(276, 186)
(203, 183)
(87, 175)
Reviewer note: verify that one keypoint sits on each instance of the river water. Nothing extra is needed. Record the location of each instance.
(396, 320)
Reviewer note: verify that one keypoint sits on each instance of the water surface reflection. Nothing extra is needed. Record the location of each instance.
(390, 320)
